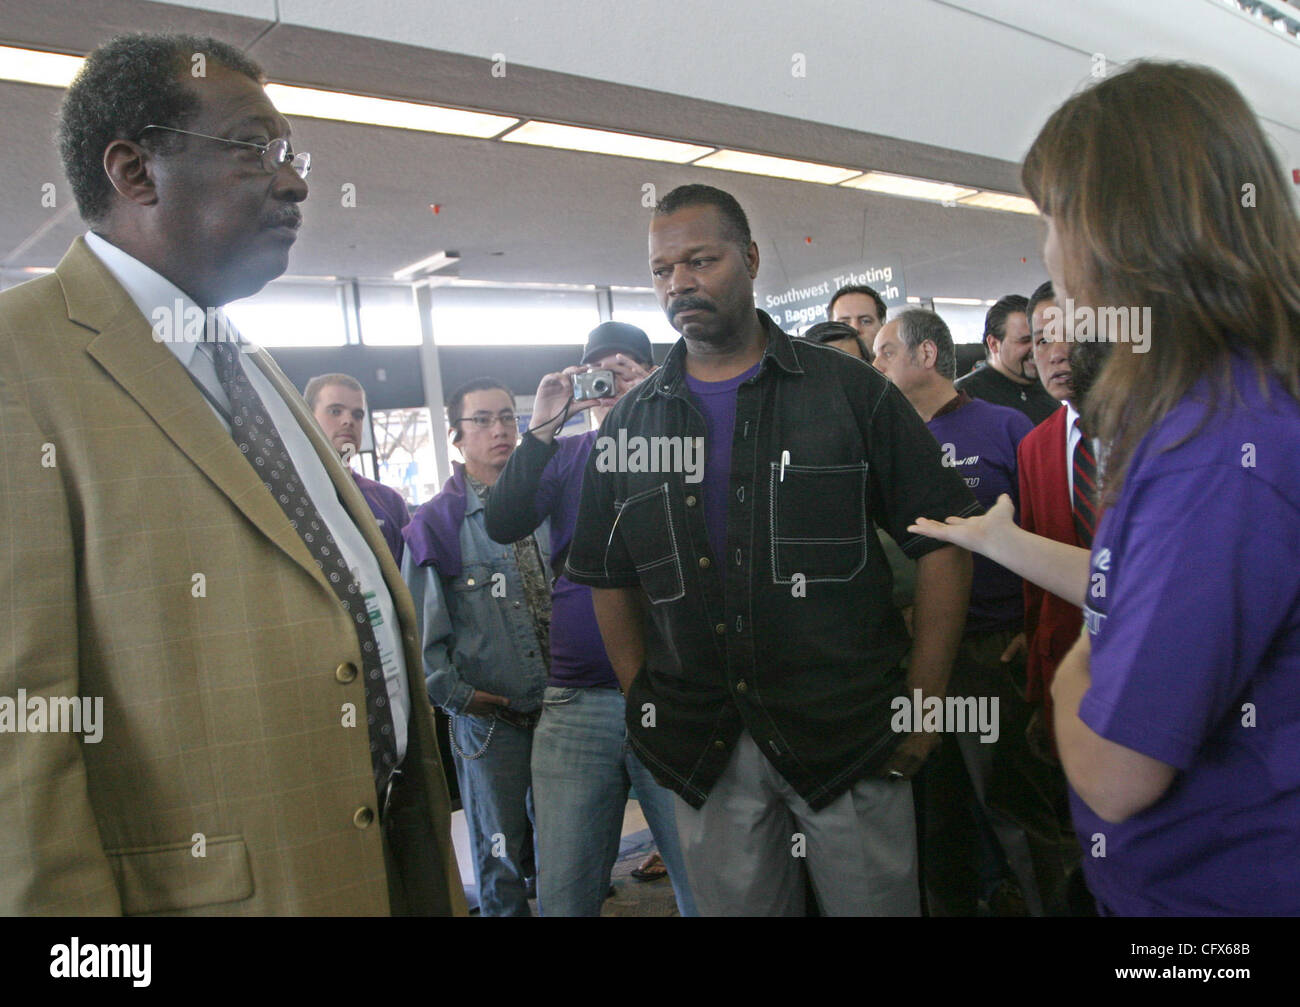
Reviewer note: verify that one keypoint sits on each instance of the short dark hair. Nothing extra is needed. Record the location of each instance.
(321, 381)
(456, 402)
(1043, 292)
(995, 321)
(733, 217)
(128, 83)
(833, 332)
(916, 326)
(858, 288)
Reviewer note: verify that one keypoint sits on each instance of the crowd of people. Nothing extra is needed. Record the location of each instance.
(864, 637)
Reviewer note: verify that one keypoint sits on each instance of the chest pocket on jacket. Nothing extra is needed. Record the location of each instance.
(476, 577)
(819, 522)
(646, 523)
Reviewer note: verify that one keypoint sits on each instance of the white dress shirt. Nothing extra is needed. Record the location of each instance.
(151, 292)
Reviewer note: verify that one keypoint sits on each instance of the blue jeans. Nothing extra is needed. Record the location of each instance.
(582, 768)
(496, 791)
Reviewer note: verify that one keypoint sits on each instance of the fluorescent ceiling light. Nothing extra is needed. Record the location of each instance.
(913, 300)
(1000, 201)
(368, 111)
(777, 167)
(457, 281)
(911, 188)
(601, 141)
(430, 264)
(28, 66)
(957, 300)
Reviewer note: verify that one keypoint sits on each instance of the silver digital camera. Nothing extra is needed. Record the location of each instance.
(593, 385)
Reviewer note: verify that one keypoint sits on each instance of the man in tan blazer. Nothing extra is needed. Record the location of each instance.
(146, 568)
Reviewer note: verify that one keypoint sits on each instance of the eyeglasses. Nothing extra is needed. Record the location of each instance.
(484, 421)
(275, 155)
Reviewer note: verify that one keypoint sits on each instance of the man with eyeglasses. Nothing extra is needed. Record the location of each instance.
(188, 559)
(486, 615)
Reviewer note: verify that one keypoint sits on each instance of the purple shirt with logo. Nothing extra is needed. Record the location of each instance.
(717, 402)
(979, 440)
(1194, 613)
(390, 510)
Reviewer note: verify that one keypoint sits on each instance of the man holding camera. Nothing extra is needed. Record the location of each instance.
(581, 768)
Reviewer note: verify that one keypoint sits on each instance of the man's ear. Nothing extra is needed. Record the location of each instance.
(991, 343)
(129, 169)
(751, 259)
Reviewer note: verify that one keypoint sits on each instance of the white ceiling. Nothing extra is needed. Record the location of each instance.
(943, 90)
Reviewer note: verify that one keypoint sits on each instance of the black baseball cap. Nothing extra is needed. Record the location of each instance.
(618, 337)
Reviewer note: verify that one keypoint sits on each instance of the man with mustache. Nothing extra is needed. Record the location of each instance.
(186, 546)
(747, 614)
(1009, 378)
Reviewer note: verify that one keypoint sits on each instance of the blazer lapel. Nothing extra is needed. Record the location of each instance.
(150, 373)
(352, 499)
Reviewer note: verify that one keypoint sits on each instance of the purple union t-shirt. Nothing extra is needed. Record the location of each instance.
(1194, 611)
(717, 402)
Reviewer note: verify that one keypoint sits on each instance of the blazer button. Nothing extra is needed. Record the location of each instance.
(345, 673)
(469, 581)
(741, 686)
(362, 817)
(720, 629)
(704, 562)
(720, 745)
(690, 501)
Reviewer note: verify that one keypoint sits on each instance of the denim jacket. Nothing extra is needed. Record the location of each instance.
(791, 634)
(475, 624)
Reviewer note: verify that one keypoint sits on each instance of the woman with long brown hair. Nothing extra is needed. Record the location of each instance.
(1171, 233)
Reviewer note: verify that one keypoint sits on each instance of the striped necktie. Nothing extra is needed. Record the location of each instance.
(1084, 498)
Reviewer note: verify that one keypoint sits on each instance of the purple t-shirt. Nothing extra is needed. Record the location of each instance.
(717, 402)
(390, 510)
(979, 440)
(578, 658)
(1194, 611)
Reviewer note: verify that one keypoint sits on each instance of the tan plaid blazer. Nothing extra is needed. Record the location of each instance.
(225, 781)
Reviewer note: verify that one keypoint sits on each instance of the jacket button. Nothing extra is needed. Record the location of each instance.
(704, 562)
(345, 673)
(720, 629)
(690, 501)
(720, 745)
(516, 604)
(741, 686)
(469, 582)
(362, 817)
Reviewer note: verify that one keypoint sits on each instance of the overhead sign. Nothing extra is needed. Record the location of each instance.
(804, 303)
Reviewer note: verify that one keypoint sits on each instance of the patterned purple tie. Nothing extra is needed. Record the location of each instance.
(257, 438)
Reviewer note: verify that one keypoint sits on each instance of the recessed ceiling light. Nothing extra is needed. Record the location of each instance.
(910, 188)
(776, 167)
(359, 108)
(1000, 201)
(429, 264)
(602, 141)
(29, 66)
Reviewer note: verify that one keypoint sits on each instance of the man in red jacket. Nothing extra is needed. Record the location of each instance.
(1042, 460)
